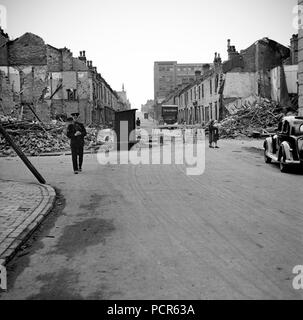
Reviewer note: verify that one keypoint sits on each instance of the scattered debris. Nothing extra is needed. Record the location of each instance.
(35, 139)
(256, 121)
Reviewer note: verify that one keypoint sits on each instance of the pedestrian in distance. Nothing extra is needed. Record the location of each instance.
(76, 133)
(183, 134)
(215, 134)
(211, 133)
(195, 135)
(138, 122)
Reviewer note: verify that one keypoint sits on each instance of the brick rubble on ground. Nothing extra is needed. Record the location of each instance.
(257, 120)
(35, 138)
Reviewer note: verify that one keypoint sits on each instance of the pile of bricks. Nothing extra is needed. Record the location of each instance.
(35, 139)
(255, 121)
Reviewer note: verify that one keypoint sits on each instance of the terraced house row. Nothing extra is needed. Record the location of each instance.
(266, 70)
(53, 83)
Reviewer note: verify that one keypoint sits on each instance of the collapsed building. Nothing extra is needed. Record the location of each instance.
(258, 71)
(265, 70)
(39, 79)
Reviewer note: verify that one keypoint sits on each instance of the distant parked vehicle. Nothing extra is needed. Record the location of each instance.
(169, 114)
(286, 146)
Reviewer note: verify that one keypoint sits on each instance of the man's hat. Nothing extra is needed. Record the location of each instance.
(75, 114)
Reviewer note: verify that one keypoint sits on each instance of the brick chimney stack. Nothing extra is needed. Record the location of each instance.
(231, 50)
(82, 56)
(294, 49)
(219, 59)
(89, 64)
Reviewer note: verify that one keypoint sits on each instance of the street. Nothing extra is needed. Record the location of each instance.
(152, 232)
(151, 151)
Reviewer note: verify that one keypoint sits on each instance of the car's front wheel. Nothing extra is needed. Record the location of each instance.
(266, 158)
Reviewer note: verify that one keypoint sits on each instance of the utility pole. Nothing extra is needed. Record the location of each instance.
(22, 155)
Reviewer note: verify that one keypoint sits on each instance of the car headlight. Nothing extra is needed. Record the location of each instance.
(301, 128)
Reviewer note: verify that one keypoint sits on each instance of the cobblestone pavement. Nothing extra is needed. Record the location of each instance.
(22, 208)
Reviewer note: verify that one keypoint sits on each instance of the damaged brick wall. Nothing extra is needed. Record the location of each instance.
(67, 60)
(3, 49)
(7, 104)
(85, 110)
(265, 54)
(36, 70)
(27, 50)
(59, 59)
(260, 58)
(4, 38)
(3, 56)
(56, 108)
(54, 59)
(34, 83)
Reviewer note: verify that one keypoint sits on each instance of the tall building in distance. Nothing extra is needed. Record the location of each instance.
(169, 74)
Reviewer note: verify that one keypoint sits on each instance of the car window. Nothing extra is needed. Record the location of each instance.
(286, 127)
(297, 130)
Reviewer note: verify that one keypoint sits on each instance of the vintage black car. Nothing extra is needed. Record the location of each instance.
(286, 146)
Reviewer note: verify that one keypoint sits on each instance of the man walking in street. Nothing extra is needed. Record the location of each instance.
(215, 134)
(211, 133)
(76, 132)
(138, 122)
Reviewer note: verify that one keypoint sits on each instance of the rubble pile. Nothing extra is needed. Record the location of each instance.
(91, 139)
(33, 138)
(258, 120)
(37, 138)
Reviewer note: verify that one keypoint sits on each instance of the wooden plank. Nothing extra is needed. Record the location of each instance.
(22, 156)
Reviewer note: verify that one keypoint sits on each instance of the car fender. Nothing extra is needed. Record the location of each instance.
(268, 142)
(286, 148)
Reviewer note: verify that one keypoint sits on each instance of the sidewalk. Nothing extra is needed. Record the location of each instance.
(23, 206)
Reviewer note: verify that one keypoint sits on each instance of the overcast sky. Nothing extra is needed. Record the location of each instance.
(123, 38)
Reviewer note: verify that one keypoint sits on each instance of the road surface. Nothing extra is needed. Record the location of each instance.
(152, 232)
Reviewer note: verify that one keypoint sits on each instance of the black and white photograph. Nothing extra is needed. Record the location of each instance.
(151, 151)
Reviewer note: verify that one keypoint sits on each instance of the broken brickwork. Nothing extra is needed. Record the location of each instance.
(51, 81)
